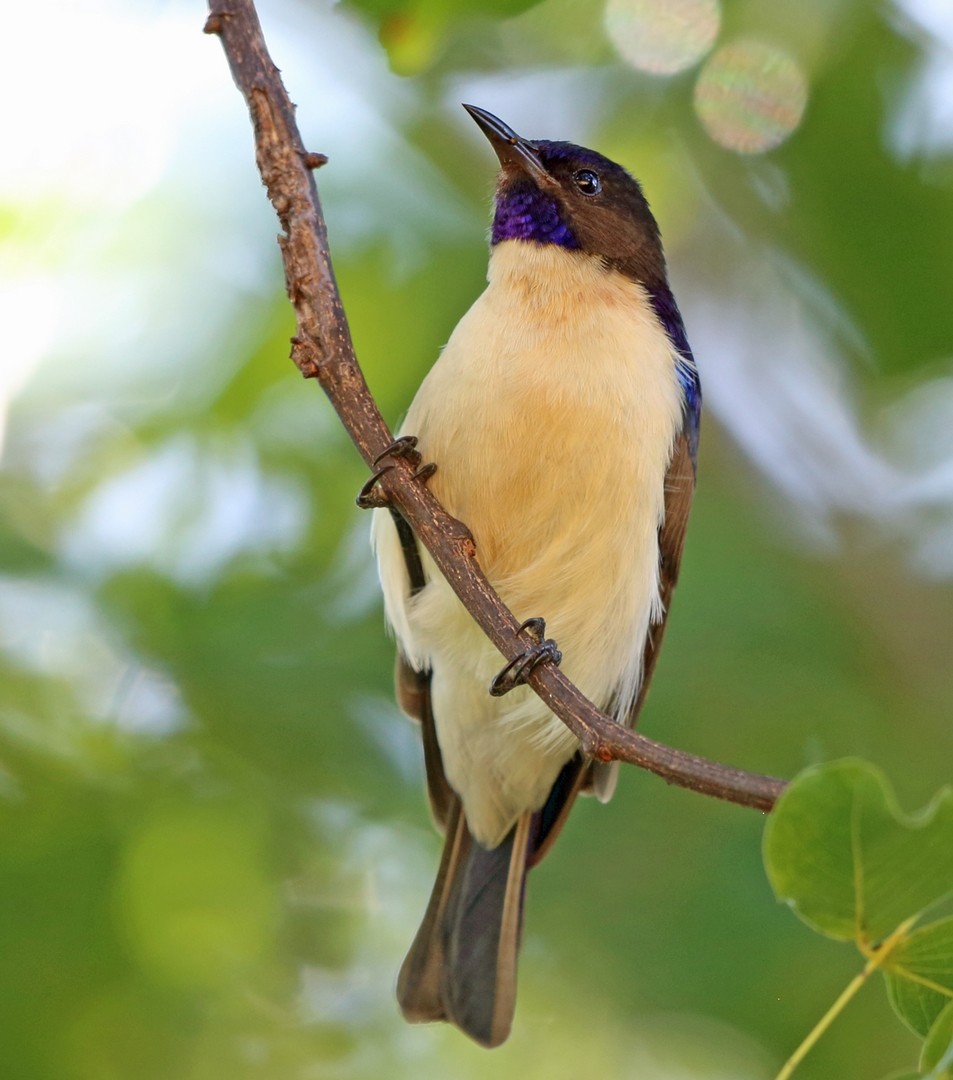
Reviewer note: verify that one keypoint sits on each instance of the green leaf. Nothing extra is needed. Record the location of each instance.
(919, 974)
(937, 1054)
(851, 864)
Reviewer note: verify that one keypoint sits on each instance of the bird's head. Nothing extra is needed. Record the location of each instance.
(562, 194)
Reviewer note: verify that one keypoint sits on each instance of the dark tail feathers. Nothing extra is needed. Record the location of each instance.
(462, 964)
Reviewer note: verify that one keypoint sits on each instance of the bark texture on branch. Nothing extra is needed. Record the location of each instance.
(322, 349)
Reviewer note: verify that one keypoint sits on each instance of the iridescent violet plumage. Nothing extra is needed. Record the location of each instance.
(523, 212)
(666, 310)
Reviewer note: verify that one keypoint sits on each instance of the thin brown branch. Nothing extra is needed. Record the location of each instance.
(322, 349)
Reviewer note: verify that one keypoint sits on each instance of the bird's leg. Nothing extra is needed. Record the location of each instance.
(543, 651)
(406, 447)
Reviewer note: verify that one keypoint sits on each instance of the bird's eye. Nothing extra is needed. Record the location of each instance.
(587, 181)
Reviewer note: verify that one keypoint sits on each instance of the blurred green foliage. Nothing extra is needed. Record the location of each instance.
(214, 845)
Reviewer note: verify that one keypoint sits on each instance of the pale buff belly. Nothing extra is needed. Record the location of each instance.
(557, 467)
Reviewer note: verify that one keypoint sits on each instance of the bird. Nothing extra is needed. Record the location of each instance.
(562, 417)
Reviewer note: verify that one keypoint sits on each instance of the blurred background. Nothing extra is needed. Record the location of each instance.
(214, 844)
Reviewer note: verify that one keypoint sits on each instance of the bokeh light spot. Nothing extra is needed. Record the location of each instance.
(662, 36)
(750, 96)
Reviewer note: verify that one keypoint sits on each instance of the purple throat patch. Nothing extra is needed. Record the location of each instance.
(526, 213)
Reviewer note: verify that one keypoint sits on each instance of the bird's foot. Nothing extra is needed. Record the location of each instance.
(405, 446)
(543, 651)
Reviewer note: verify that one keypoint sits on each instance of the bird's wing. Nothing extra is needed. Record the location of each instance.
(413, 696)
(413, 686)
(679, 489)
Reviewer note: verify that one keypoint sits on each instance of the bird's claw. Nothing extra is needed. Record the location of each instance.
(536, 628)
(425, 472)
(405, 446)
(543, 651)
(370, 496)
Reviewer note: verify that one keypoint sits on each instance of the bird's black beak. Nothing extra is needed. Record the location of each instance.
(513, 151)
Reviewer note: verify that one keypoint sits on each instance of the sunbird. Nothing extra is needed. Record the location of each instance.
(563, 418)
